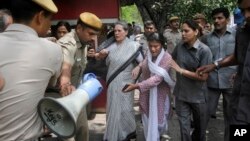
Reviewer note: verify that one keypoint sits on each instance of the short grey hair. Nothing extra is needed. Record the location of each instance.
(124, 24)
(4, 16)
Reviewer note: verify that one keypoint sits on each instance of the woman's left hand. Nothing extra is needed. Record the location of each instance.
(130, 87)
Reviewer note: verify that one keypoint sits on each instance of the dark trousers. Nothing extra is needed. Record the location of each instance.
(213, 100)
(238, 104)
(184, 111)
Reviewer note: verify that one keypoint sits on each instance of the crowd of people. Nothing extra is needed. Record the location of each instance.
(186, 68)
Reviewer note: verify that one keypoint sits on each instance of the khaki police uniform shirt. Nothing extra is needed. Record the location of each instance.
(173, 38)
(75, 54)
(28, 63)
(143, 41)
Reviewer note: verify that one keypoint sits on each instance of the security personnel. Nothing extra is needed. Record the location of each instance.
(149, 27)
(172, 35)
(201, 20)
(75, 60)
(26, 70)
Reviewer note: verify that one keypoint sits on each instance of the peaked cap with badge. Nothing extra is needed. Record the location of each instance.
(91, 20)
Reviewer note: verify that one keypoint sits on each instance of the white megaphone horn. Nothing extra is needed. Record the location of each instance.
(60, 115)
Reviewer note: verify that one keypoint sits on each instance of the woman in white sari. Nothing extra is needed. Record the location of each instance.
(154, 88)
(121, 124)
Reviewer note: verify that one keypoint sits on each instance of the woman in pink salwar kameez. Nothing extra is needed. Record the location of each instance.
(154, 88)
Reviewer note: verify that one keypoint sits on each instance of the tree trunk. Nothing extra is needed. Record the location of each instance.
(155, 10)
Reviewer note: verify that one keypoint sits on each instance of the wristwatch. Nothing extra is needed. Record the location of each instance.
(216, 64)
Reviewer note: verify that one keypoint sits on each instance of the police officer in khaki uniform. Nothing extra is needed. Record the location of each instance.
(172, 35)
(75, 60)
(201, 20)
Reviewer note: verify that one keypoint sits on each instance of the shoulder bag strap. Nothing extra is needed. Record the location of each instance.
(120, 69)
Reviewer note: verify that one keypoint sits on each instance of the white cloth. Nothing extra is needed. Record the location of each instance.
(120, 113)
(160, 71)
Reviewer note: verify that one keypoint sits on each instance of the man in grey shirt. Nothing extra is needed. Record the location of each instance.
(222, 43)
(240, 99)
(149, 27)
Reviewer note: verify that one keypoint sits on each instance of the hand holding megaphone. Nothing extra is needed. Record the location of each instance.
(60, 115)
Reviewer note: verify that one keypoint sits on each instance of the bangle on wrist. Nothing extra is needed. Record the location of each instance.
(181, 71)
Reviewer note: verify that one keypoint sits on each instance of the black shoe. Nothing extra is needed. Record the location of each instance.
(131, 136)
(213, 116)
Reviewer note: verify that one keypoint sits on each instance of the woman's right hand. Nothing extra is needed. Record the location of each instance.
(130, 87)
(102, 54)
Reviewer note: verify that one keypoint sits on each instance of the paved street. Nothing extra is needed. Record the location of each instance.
(214, 132)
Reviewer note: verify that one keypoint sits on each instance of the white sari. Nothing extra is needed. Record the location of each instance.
(120, 112)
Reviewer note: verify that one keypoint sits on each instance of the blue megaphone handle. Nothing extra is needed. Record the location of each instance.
(88, 76)
(91, 85)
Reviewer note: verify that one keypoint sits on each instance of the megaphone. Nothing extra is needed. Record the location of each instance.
(60, 115)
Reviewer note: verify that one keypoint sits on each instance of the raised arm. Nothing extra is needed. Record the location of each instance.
(101, 55)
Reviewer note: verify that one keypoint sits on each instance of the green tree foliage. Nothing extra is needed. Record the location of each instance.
(160, 11)
(185, 9)
(130, 14)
